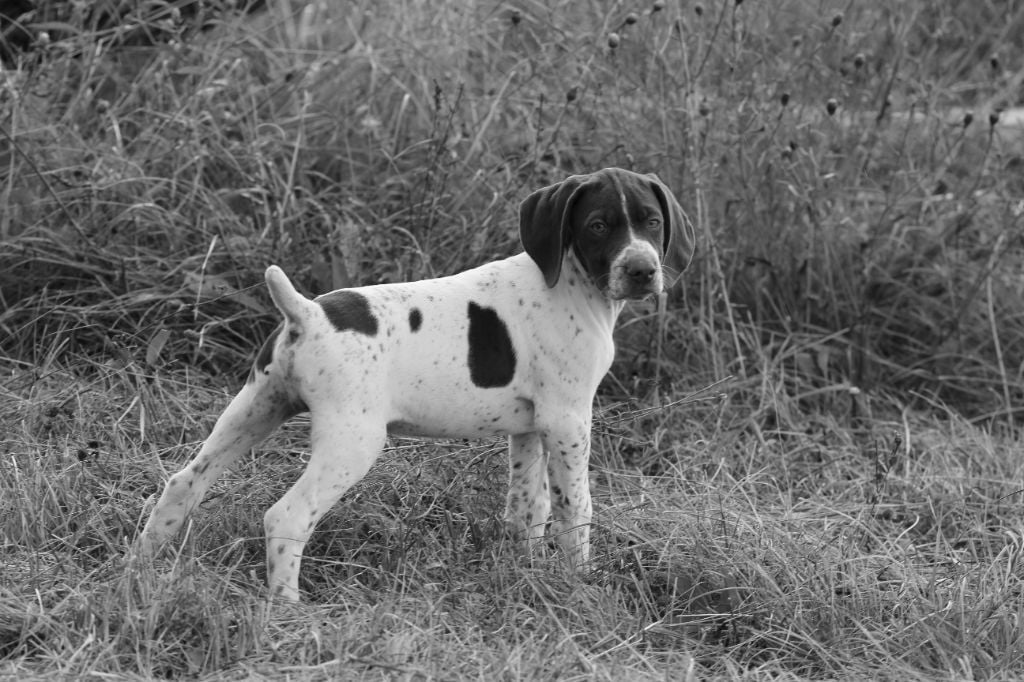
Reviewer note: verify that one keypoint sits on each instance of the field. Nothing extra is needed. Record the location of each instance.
(806, 459)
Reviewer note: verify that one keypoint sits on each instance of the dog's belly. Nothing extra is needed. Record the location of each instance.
(438, 414)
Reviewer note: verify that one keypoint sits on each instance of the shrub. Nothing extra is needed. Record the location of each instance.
(855, 190)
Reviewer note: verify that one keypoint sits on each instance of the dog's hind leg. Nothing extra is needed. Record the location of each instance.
(343, 443)
(255, 412)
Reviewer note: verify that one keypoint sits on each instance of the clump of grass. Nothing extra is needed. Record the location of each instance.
(717, 549)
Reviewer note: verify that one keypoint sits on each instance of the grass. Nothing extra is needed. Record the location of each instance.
(807, 468)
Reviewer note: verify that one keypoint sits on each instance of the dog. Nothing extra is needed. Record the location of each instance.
(516, 347)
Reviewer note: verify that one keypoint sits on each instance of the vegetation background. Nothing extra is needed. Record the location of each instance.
(808, 467)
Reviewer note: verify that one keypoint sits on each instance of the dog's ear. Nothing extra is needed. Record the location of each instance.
(680, 240)
(545, 224)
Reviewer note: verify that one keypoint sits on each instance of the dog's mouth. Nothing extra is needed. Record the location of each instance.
(642, 295)
(619, 287)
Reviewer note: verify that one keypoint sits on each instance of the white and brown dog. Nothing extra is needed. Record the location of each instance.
(514, 347)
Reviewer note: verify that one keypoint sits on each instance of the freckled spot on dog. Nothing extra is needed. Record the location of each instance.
(415, 319)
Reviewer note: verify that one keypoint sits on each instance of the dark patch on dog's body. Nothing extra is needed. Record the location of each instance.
(349, 310)
(492, 359)
(415, 319)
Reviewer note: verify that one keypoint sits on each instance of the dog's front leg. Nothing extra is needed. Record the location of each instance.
(529, 503)
(568, 446)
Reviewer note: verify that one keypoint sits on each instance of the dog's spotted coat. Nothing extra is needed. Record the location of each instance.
(515, 347)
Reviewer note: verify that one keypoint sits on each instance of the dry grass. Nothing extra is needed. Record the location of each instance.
(843, 502)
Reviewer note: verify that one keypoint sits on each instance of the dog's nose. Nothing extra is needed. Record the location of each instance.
(640, 271)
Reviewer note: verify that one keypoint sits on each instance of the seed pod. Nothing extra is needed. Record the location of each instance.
(993, 118)
(703, 108)
(515, 17)
(993, 61)
(631, 18)
(658, 5)
(858, 60)
(831, 105)
(572, 94)
(698, 9)
(837, 19)
(613, 40)
(968, 118)
(784, 99)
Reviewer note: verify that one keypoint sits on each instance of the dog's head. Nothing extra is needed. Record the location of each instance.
(627, 230)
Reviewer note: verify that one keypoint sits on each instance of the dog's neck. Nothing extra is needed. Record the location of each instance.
(579, 290)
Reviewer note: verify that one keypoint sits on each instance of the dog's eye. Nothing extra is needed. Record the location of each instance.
(653, 223)
(597, 227)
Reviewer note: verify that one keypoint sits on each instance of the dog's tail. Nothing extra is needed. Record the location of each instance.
(286, 297)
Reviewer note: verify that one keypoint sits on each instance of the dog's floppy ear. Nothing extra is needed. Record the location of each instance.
(545, 223)
(680, 238)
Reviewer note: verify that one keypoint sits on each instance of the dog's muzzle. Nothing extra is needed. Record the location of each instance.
(636, 273)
